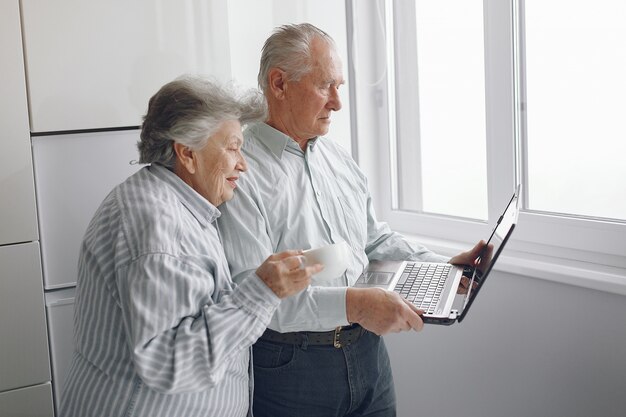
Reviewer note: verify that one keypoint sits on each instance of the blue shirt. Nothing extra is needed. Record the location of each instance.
(160, 328)
(290, 199)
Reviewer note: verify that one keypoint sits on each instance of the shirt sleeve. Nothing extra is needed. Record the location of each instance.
(181, 340)
(247, 244)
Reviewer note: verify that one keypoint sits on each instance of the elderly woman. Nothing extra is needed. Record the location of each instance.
(160, 329)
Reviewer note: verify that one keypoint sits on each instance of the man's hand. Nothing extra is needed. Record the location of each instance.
(285, 273)
(478, 257)
(469, 257)
(381, 311)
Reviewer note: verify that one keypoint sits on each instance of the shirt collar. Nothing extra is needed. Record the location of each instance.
(277, 141)
(198, 206)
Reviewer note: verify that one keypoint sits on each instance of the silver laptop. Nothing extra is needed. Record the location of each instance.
(434, 287)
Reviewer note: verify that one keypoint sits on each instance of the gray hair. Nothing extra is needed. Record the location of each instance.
(289, 48)
(188, 111)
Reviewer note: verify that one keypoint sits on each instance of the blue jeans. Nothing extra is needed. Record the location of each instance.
(311, 381)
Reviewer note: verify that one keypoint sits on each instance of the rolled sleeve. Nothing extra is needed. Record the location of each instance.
(254, 296)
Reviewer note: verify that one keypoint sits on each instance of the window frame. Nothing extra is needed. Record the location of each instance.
(583, 251)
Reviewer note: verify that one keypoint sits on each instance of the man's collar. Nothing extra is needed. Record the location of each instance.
(276, 141)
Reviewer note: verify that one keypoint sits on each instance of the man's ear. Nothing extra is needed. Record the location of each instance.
(277, 82)
(186, 157)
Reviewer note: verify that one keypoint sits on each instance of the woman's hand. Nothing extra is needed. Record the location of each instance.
(285, 273)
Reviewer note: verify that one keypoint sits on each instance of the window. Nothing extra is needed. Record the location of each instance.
(438, 119)
(575, 84)
(440, 96)
(508, 91)
(569, 60)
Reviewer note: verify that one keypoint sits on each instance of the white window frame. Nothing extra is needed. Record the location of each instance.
(574, 250)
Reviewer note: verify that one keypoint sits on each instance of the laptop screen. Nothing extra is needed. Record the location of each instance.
(499, 236)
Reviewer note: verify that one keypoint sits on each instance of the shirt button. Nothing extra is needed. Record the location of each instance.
(317, 193)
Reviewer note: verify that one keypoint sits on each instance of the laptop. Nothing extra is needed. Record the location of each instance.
(433, 287)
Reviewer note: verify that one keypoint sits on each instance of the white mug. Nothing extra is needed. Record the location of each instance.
(334, 257)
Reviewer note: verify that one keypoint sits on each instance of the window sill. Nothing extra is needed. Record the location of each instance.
(569, 272)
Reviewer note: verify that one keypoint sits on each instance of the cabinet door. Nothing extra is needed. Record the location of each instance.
(27, 402)
(18, 222)
(94, 64)
(24, 348)
(60, 310)
(74, 173)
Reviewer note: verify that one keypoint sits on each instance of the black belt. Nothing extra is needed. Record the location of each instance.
(340, 337)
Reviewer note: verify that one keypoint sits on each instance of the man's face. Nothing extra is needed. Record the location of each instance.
(310, 100)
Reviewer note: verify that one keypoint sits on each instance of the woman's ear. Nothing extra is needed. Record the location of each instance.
(277, 82)
(186, 157)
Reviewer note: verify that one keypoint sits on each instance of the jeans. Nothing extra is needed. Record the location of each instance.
(311, 381)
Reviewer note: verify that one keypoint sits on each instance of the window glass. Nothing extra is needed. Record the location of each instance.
(575, 62)
(441, 147)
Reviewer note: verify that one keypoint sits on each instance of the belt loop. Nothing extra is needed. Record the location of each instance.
(305, 341)
(336, 341)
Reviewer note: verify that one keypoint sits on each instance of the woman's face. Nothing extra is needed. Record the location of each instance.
(219, 163)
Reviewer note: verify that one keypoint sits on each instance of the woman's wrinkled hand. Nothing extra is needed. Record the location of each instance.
(285, 272)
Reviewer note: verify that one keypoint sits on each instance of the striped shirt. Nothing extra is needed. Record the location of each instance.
(290, 199)
(159, 327)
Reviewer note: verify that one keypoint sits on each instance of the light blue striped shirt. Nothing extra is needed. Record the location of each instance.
(160, 329)
(290, 199)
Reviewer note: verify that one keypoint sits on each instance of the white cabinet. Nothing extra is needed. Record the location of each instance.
(60, 309)
(23, 339)
(18, 222)
(94, 64)
(24, 347)
(73, 174)
(27, 402)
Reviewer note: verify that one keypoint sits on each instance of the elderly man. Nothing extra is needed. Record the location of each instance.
(322, 354)
(160, 329)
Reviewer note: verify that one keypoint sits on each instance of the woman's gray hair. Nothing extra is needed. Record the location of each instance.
(289, 48)
(188, 111)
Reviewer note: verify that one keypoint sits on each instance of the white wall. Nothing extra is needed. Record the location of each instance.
(528, 348)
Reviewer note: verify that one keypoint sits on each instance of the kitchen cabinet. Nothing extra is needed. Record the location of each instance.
(94, 64)
(24, 348)
(25, 388)
(60, 312)
(27, 402)
(73, 174)
(18, 221)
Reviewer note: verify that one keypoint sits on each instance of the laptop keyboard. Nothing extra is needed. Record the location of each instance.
(424, 284)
